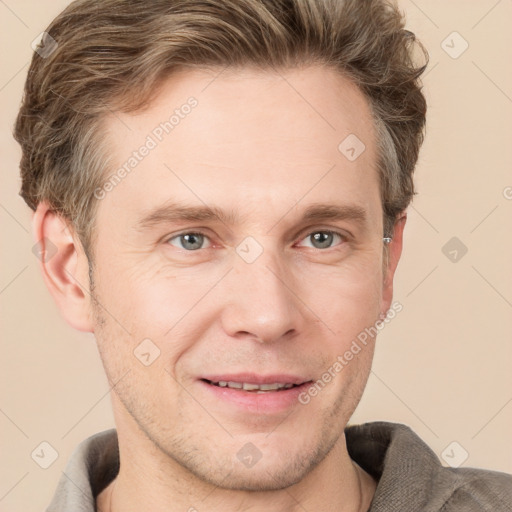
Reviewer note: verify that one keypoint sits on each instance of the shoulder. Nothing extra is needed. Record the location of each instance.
(93, 464)
(477, 489)
(410, 476)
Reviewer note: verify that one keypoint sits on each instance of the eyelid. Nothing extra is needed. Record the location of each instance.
(330, 229)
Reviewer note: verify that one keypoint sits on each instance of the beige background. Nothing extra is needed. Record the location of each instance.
(442, 366)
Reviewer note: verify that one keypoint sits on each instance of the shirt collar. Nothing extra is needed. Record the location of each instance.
(396, 457)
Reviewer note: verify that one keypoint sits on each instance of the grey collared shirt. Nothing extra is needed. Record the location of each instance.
(410, 476)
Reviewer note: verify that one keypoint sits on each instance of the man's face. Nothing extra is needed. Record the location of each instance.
(261, 292)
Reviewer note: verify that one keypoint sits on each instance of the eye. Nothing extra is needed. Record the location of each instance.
(193, 241)
(323, 239)
(188, 241)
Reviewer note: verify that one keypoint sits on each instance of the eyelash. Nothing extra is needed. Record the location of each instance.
(343, 237)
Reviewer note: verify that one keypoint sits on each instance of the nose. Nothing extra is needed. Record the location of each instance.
(261, 301)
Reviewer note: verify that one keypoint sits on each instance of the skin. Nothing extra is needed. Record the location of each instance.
(253, 146)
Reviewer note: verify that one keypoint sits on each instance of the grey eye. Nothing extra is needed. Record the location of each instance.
(323, 239)
(189, 241)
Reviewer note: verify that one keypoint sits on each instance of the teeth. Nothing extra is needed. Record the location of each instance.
(247, 386)
(251, 387)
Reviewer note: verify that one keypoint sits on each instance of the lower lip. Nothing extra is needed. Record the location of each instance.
(261, 403)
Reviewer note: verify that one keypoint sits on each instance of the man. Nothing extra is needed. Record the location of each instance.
(224, 184)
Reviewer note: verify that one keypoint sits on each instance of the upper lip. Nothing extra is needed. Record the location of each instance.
(253, 378)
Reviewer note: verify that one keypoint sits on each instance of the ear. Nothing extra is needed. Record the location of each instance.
(394, 253)
(64, 266)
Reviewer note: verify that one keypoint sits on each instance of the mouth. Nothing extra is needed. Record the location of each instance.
(255, 394)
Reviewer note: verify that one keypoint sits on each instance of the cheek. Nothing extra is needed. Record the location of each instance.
(346, 302)
(348, 298)
(138, 295)
(170, 310)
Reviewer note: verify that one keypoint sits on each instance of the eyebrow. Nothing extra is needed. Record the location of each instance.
(171, 212)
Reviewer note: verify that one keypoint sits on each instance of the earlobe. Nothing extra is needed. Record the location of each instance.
(64, 266)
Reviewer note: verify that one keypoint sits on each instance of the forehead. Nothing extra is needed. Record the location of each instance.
(253, 139)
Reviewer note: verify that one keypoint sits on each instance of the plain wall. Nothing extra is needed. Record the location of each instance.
(442, 366)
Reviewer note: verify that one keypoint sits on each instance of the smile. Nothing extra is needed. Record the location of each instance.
(246, 386)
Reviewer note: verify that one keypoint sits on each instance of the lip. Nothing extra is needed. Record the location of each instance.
(252, 402)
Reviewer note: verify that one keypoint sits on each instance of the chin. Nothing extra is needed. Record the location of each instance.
(262, 480)
(275, 470)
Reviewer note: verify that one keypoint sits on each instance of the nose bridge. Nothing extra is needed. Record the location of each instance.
(261, 302)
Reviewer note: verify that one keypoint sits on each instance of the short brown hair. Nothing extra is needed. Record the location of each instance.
(111, 55)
